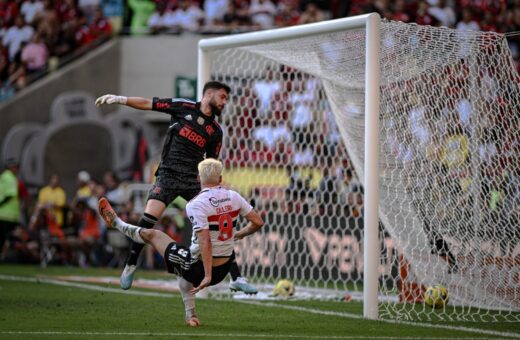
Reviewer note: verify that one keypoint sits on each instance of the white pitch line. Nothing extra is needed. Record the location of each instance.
(214, 335)
(266, 304)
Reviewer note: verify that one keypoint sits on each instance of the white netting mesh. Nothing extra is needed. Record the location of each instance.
(449, 185)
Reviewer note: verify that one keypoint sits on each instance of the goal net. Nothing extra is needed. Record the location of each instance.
(448, 157)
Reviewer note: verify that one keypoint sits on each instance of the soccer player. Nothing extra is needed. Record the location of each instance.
(192, 133)
(213, 213)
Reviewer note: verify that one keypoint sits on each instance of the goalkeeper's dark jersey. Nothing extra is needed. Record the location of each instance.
(191, 134)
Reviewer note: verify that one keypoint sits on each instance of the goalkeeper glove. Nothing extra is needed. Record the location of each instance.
(111, 99)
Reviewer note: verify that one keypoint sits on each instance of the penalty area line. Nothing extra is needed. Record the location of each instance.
(263, 304)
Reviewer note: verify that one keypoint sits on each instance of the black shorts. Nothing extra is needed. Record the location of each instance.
(179, 262)
(166, 189)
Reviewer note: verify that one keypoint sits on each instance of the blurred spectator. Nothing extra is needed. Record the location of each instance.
(4, 64)
(467, 23)
(16, 35)
(399, 11)
(215, 10)
(272, 132)
(23, 246)
(311, 14)
(189, 16)
(141, 11)
(443, 13)
(301, 117)
(303, 155)
(49, 23)
(113, 191)
(113, 10)
(83, 34)
(161, 20)
(100, 27)
(35, 54)
(54, 245)
(17, 75)
(25, 202)
(287, 14)
(237, 15)
(265, 88)
(85, 220)
(31, 9)
(67, 11)
(89, 8)
(455, 149)
(262, 13)
(9, 202)
(423, 16)
(83, 186)
(54, 199)
(328, 189)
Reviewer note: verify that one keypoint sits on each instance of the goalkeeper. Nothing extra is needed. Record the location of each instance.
(213, 213)
(193, 133)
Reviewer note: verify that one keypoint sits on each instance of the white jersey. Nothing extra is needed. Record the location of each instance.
(216, 209)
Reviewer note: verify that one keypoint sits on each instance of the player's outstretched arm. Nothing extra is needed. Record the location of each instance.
(255, 223)
(135, 102)
(207, 258)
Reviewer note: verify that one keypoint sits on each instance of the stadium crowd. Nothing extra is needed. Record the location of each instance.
(37, 35)
(51, 228)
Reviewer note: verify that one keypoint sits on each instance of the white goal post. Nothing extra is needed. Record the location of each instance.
(371, 183)
(384, 159)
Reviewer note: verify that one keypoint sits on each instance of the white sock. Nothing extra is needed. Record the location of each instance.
(187, 297)
(129, 230)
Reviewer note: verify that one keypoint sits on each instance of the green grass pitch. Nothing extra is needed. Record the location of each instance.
(32, 309)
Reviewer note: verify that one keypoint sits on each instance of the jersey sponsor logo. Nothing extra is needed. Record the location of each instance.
(162, 105)
(192, 136)
(215, 202)
(188, 117)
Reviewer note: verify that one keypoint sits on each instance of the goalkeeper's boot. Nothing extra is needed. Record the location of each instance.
(241, 284)
(127, 277)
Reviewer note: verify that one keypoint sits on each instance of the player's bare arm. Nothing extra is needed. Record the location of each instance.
(134, 102)
(255, 223)
(207, 258)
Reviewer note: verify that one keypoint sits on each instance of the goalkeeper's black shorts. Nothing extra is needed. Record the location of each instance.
(166, 189)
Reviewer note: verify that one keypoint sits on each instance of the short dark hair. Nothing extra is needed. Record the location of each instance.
(216, 85)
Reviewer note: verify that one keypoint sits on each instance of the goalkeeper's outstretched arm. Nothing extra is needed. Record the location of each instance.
(135, 102)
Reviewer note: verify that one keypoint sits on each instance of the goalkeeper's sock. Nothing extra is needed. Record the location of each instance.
(146, 222)
(234, 271)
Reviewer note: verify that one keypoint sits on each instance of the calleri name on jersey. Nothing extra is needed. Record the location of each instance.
(191, 134)
(216, 209)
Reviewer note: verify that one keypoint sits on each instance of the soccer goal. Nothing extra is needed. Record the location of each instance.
(384, 157)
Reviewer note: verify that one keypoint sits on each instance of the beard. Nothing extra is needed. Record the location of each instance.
(214, 108)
